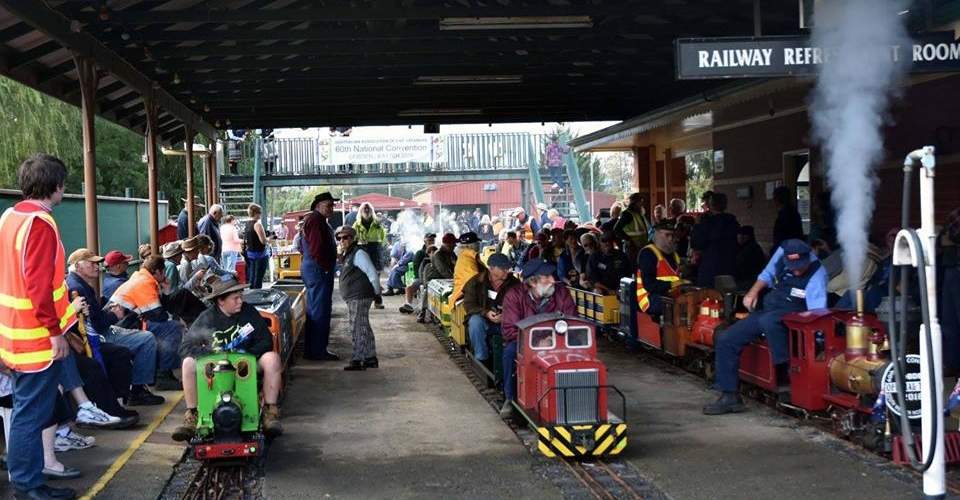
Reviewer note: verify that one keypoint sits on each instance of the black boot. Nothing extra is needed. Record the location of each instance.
(141, 396)
(729, 402)
(354, 366)
(167, 382)
(371, 363)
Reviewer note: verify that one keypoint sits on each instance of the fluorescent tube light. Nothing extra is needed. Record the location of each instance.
(468, 80)
(440, 112)
(515, 23)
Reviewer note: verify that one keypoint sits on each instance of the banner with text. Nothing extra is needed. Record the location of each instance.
(372, 150)
(765, 57)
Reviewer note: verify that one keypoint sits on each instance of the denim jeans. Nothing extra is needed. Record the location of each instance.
(143, 346)
(229, 260)
(68, 374)
(480, 329)
(168, 334)
(510, 370)
(319, 287)
(730, 345)
(34, 398)
(256, 268)
(556, 174)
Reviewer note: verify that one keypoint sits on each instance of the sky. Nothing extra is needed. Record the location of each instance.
(577, 128)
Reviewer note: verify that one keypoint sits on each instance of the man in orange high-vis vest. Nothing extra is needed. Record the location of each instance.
(35, 310)
(658, 270)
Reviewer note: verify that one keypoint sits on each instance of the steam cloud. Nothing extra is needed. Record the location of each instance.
(849, 108)
(410, 230)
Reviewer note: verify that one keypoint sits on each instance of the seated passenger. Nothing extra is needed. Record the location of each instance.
(194, 263)
(116, 263)
(513, 247)
(658, 269)
(427, 273)
(413, 288)
(750, 258)
(540, 293)
(83, 276)
(217, 327)
(607, 266)
(468, 263)
(591, 245)
(483, 302)
(566, 263)
(395, 285)
(140, 295)
(797, 282)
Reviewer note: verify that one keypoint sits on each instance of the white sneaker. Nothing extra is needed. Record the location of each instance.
(73, 441)
(95, 417)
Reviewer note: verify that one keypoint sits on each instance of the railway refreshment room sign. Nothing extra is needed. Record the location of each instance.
(766, 57)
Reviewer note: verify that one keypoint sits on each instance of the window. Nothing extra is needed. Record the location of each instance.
(579, 337)
(542, 338)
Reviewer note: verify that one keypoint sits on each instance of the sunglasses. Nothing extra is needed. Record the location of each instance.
(342, 238)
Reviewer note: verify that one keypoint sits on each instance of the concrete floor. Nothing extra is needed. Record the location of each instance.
(757, 454)
(146, 471)
(414, 428)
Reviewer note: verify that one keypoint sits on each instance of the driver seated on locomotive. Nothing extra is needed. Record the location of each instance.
(538, 294)
(226, 319)
(796, 282)
(658, 269)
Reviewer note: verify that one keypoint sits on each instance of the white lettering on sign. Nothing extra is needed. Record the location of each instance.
(734, 58)
(802, 56)
(936, 52)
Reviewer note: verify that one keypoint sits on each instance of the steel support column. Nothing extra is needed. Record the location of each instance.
(188, 148)
(151, 108)
(89, 80)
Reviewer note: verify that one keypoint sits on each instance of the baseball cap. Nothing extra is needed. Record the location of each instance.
(499, 260)
(468, 237)
(83, 254)
(538, 267)
(115, 257)
(449, 239)
(796, 254)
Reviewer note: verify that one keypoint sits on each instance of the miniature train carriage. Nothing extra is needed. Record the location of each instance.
(562, 388)
(228, 407)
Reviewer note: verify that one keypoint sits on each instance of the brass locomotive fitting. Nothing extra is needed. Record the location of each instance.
(859, 375)
(858, 333)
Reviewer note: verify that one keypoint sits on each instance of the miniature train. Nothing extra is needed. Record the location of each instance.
(562, 389)
(228, 398)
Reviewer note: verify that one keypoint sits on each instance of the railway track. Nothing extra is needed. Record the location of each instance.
(598, 479)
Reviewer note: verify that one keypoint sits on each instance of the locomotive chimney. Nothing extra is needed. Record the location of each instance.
(858, 333)
(860, 303)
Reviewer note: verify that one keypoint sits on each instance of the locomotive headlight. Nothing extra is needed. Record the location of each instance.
(561, 327)
(226, 397)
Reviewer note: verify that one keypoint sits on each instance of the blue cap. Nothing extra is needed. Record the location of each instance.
(796, 254)
(499, 260)
(538, 267)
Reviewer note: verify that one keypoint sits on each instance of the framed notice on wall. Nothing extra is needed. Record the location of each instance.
(718, 166)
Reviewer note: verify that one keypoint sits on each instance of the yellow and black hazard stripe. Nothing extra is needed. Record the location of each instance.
(559, 441)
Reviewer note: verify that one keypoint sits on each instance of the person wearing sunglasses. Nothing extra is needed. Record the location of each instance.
(359, 286)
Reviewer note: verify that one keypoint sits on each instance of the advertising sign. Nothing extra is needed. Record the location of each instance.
(372, 150)
(766, 57)
(912, 386)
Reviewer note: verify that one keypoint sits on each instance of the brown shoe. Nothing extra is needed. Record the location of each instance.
(271, 421)
(186, 431)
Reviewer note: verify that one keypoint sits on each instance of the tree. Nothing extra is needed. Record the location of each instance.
(585, 162)
(699, 177)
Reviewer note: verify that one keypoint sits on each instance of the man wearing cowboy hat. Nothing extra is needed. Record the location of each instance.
(193, 263)
(178, 299)
(318, 269)
(221, 324)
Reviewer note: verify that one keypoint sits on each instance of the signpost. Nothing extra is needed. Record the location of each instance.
(780, 56)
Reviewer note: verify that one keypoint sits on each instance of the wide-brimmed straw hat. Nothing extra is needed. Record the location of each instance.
(214, 285)
(172, 249)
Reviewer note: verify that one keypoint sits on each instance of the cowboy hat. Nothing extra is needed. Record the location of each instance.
(214, 285)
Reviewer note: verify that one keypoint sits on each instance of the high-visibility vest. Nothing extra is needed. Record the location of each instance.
(140, 293)
(636, 229)
(665, 272)
(24, 342)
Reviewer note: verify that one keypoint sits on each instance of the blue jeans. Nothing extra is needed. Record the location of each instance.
(143, 346)
(556, 174)
(34, 398)
(510, 370)
(480, 328)
(68, 374)
(256, 268)
(730, 344)
(395, 280)
(168, 334)
(319, 285)
(228, 261)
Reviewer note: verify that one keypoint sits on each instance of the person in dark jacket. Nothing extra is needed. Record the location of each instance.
(209, 225)
(483, 302)
(318, 269)
(513, 247)
(183, 222)
(359, 286)
(116, 263)
(715, 237)
(566, 263)
(229, 324)
(607, 266)
(788, 225)
(750, 258)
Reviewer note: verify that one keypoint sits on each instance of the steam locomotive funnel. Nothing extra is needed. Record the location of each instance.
(858, 333)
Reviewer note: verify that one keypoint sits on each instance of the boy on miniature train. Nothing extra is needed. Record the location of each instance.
(229, 325)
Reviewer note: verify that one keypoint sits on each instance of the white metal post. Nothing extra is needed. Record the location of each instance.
(593, 196)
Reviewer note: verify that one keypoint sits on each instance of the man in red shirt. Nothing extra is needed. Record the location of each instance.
(35, 310)
(318, 269)
(540, 293)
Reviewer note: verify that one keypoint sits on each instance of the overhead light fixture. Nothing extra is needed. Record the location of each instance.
(515, 23)
(468, 80)
(176, 78)
(440, 112)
